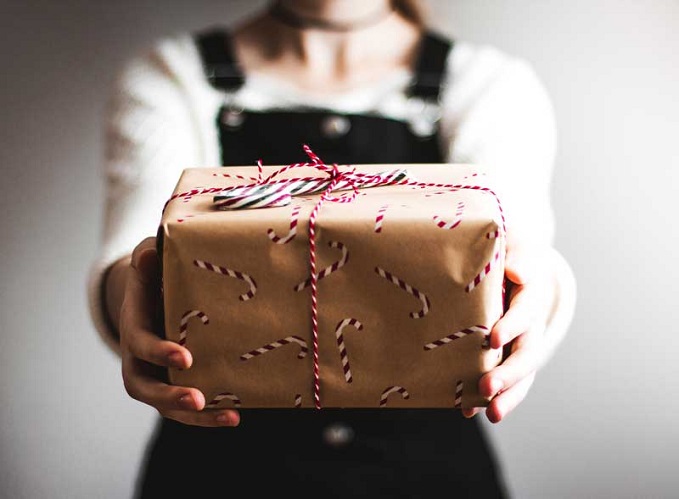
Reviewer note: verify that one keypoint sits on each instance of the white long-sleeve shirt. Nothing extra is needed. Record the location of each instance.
(161, 119)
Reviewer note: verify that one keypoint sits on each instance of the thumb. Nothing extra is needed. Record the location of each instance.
(523, 265)
(145, 261)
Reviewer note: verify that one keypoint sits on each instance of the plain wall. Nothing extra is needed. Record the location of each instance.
(600, 419)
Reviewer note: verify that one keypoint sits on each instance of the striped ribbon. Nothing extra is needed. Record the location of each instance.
(268, 192)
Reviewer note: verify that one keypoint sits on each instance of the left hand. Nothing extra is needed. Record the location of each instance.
(531, 289)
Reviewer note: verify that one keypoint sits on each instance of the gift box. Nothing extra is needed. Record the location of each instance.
(408, 282)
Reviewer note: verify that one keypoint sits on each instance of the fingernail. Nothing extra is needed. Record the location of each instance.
(186, 401)
(176, 359)
(224, 419)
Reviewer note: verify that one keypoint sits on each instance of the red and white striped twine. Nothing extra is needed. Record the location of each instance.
(409, 289)
(459, 334)
(231, 273)
(277, 344)
(224, 395)
(393, 389)
(330, 269)
(184, 326)
(344, 357)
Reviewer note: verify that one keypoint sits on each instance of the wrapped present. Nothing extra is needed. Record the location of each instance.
(315, 286)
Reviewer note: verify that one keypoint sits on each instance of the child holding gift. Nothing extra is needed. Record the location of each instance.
(336, 74)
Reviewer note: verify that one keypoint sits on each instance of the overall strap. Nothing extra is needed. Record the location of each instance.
(219, 63)
(431, 66)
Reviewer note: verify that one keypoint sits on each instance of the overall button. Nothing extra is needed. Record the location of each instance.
(232, 118)
(338, 434)
(335, 126)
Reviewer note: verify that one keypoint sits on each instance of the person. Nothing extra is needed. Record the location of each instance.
(362, 82)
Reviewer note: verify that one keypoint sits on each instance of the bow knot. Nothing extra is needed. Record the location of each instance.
(270, 192)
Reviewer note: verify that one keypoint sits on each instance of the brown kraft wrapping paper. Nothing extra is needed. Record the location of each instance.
(410, 277)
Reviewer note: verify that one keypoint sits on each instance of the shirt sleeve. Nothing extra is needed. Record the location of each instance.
(150, 137)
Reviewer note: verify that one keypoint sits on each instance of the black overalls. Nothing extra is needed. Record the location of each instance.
(328, 453)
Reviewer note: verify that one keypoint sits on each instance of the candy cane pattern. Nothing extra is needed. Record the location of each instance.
(183, 323)
(231, 273)
(494, 234)
(332, 268)
(380, 217)
(342, 348)
(459, 386)
(298, 401)
(484, 272)
(458, 335)
(293, 229)
(277, 344)
(409, 289)
(393, 389)
(224, 395)
(442, 224)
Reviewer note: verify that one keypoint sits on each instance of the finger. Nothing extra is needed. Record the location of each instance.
(518, 318)
(142, 383)
(147, 346)
(209, 418)
(522, 363)
(524, 265)
(508, 400)
(470, 413)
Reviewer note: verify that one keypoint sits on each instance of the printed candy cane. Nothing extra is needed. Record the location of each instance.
(277, 344)
(224, 395)
(458, 335)
(231, 273)
(293, 229)
(380, 217)
(442, 224)
(484, 272)
(342, 348)
(408, 288)
(298, 401)
(393, 389)
(328, 270)
(493, 234)
(458, 394)
(183, 323)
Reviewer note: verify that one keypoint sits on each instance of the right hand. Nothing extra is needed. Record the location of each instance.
(146, 355)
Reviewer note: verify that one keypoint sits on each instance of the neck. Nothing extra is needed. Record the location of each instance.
(332, 36)
(333, 15)
(322, 58)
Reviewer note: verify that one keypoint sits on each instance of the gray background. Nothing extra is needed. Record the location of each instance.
(600, 420)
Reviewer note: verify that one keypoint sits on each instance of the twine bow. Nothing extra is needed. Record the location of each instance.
(269, 192)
